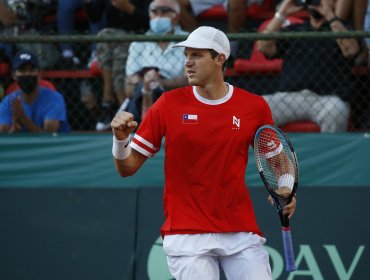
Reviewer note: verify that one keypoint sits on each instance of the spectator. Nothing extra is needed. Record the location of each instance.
(41, 82)
(22, 17)
(190, 9)
(65, 25)
(236, 17)
(352, 11)
(122, 17)
(309, 89)
(155, 66)
(32, 108)
(7, 18)
(367, 25)
(89, 97)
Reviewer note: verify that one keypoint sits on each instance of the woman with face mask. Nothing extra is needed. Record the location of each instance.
(32, 108)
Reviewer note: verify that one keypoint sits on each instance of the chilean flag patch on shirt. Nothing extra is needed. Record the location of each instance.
(189, 119)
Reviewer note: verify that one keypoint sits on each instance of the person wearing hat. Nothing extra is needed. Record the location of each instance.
(153, 67)
(32, 108)
(208, 127)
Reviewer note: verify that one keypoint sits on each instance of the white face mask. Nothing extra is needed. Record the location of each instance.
(161, 25)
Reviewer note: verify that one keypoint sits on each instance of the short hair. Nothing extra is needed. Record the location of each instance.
(214, 54)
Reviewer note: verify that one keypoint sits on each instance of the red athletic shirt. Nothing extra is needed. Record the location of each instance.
(206, 153)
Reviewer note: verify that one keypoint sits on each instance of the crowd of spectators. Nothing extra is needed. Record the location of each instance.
(314, 94)
(153, 67)
(133, 75)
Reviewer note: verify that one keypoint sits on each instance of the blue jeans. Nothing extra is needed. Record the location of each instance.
(134, 107)
(65, 20)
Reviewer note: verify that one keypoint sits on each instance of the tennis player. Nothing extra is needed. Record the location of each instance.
(208, 127)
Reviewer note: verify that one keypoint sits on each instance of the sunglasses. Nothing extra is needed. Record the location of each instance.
(161, 9)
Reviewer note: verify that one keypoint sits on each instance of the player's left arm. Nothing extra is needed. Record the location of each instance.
(280, 164)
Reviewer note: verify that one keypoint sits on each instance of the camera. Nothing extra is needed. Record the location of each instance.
(20, 8)
(307, 2)
(31, 12)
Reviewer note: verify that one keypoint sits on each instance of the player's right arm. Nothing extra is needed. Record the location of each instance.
(126, 160)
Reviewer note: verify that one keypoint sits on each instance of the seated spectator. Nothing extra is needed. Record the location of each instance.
(153, 67)
(23, 17)
(316, 80)
(89, 97)
(367, 25)
(65, 25)
(352, 11)
(236, 18)
(7, 18)
(122, 17)
(32, 108)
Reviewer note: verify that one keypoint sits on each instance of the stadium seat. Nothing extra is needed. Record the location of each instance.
(4, 68)
(95, 68)
(80, 18)
(258, 63)
(301, 126)
(254, 11)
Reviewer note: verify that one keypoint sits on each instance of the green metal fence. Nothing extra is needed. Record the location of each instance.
(82, 87)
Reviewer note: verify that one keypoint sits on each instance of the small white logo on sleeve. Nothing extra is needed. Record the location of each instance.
(236, 123)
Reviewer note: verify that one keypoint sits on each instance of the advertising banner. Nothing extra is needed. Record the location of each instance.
(330, 231)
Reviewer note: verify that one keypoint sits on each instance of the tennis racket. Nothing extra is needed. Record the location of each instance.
(278, 167)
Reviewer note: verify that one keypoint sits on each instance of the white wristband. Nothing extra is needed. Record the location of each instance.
(286, 180)
(121, 148)
(280, 17)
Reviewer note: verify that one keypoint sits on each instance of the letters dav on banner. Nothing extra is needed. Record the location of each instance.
(309, 263)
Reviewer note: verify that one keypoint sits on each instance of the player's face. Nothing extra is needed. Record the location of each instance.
(199, 66)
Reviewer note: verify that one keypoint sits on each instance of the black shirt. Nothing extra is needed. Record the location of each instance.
(315, 64)
(138, 21)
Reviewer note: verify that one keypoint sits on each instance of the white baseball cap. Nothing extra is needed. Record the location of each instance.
(206, 37)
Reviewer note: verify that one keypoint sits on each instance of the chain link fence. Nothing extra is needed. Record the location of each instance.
(82, 85)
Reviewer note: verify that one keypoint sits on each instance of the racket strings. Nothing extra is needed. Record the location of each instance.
(271, 150)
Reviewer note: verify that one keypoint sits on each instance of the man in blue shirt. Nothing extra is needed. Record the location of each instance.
(32, 108)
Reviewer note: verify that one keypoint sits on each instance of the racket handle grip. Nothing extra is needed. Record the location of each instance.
(288, 250)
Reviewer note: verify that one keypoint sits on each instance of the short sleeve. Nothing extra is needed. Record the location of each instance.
(56, 108)
(148, 138)
(5, 111)
(133, 64)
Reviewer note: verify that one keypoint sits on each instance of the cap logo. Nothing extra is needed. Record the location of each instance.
(25, 56)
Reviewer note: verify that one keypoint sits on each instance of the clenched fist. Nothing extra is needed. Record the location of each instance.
(123, 124)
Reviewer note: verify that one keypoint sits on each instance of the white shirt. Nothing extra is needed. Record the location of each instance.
(169, 61)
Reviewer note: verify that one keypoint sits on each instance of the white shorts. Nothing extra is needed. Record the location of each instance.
(241, 255)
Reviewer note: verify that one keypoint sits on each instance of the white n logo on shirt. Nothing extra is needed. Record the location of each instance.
(236, 121)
